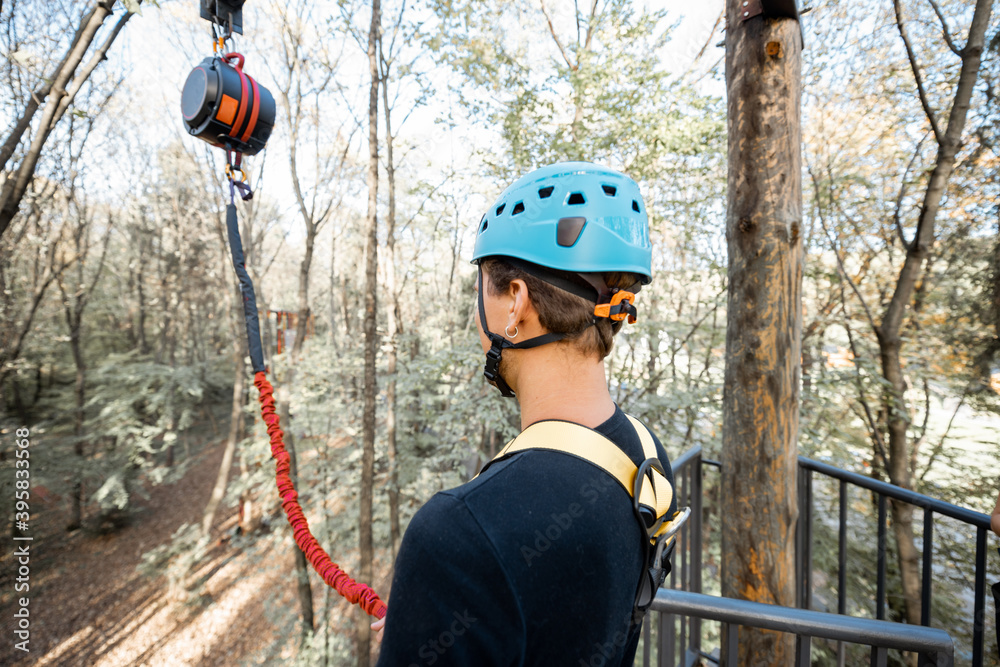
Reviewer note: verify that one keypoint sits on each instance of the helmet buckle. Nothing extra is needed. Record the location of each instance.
(619, 307)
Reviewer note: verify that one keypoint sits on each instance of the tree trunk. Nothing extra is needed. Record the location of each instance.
(73, 319)
(301, 564)
(366, 547)
(888, 332)
(333, 289)
(235, 430)
(73, 309)
(345, 305)
(764, 329)
(141, 324)
(394, 322)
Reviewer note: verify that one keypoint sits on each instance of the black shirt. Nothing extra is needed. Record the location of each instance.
(534, 562)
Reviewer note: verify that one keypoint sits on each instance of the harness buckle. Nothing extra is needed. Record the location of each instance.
(657, 553)
(492, 370)
(647, 515)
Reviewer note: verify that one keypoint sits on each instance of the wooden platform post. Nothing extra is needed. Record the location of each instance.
(764, 330)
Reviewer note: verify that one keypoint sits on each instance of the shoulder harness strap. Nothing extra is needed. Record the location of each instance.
(650, 501)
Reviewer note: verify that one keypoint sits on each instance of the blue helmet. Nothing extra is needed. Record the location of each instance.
(572, 216)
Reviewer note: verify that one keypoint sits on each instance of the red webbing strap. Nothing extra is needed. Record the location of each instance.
(245, 88)
(252, 123)
(356, 593)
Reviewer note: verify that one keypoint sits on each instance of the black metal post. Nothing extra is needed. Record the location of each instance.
(803, 651)
(842, 568)
(880, 594)
(666, 654)
(731, 640)
(925, 588)
(685, 492)
(803, 542)
(978, 636)
(807, 554)
(800, 541)
(647, 646)
(696, 547)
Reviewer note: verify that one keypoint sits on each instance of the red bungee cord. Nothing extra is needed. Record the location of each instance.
(227, 108)
(355, 593)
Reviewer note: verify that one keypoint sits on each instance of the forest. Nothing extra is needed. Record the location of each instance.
(157, 533)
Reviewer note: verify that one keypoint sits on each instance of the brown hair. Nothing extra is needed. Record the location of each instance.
(560, 311)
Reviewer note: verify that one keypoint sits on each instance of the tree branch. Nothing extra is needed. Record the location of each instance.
(15, 187)
(916, 73)
(591, 24)
(39, 95)
(840, 261)
(940, 445)
(873, 430)
(945, 163)
(552, 31)
(100, 55)
(902, 194)
(944, 29)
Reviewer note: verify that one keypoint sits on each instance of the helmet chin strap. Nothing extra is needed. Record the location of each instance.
(498, 344)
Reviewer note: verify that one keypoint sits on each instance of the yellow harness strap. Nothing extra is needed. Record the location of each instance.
(589, 445)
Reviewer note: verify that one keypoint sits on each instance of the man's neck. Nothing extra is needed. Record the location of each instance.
(562, 386)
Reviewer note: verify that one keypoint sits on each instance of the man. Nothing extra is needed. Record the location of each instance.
(543, 559)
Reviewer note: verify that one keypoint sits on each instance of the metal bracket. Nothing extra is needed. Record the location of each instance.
(770, 9)
(751, 8)
(224, 12)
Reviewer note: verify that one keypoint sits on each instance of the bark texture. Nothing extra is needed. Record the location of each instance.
(394, 315)
(365, 540)
(764, 330)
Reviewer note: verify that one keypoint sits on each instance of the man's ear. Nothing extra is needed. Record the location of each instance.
(522, 310)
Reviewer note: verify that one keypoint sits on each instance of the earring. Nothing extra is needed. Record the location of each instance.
(508, 333)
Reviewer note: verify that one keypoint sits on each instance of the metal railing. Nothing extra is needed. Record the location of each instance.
(884, 491)
(934, 646)
(684, 640)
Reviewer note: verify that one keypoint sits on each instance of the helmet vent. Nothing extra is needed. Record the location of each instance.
(609, 190)
(635, 206)
(518, 208)
(486, 223)
(546, 192)
(500, 208)
(576, 199)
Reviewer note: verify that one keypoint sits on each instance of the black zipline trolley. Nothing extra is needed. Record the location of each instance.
(220, 103)
(227, 108)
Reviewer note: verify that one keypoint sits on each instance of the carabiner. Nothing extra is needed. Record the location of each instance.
(244, 177)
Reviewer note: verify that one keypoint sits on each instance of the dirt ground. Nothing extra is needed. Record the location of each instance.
(90, 606)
